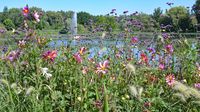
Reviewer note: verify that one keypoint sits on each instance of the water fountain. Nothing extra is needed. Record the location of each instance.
(74, 24)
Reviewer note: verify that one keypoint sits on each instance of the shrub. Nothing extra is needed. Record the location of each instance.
(8, 24)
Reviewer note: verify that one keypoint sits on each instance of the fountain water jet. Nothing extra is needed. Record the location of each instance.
(74, 24)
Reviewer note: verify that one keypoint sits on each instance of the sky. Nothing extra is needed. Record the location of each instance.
(97, 7)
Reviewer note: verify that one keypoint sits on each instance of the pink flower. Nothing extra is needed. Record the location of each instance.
(151, 50)
(82, 50)
(36, 16)
(169, 48)
(161, 66)
(13, 55)
(197, 85)
(170, 79)
(84, 70)
(25, 11)
(78, 58)
(21, 43)
(102, 67)
(50, 55)
(134, 40)
(118, 55)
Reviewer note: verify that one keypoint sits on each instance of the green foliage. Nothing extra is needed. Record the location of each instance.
(166, 20)
(196, 9)
(108, 22)
(185, 23)
(147, 21)
(8, 24)
(2, 26)
(179, 15)
(36, 9)
(15, 15)
(81, 29)
(42, 25)
(157, 13)
(83, 17)
(54, 19)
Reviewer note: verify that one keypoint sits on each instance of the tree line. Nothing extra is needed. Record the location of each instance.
(175, 19)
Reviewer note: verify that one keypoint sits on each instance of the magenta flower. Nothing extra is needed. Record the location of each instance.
(102, 67)
(36, 16)
(169, 48)
(134, 40)
(151, 50)
(82, 50)
(197, 85)
(13, 55)
(50, 55)
(26, 11)
(161, 66)
(170, 79)
(78, 58)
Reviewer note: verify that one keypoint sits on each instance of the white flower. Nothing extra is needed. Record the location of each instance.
(103, 35)
(48, 75)
(131, 68)
(44, 70)
(44, 73)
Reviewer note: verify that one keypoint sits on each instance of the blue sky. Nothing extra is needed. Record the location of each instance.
(97, 7)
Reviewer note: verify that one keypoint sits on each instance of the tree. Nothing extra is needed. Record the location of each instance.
(196, 9)
(180, 17)
(15, 15)
(147, 22)
(5, 9)
(55, 19)
(167, 22)
(83, 18)
(1, 17)
(81, 29)
(157, 13)
(4, 14)
(36, 9)
(184, 23)
(8, 24)
(108, 23)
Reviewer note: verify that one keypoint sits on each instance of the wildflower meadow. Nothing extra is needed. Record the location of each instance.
(105, 74)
